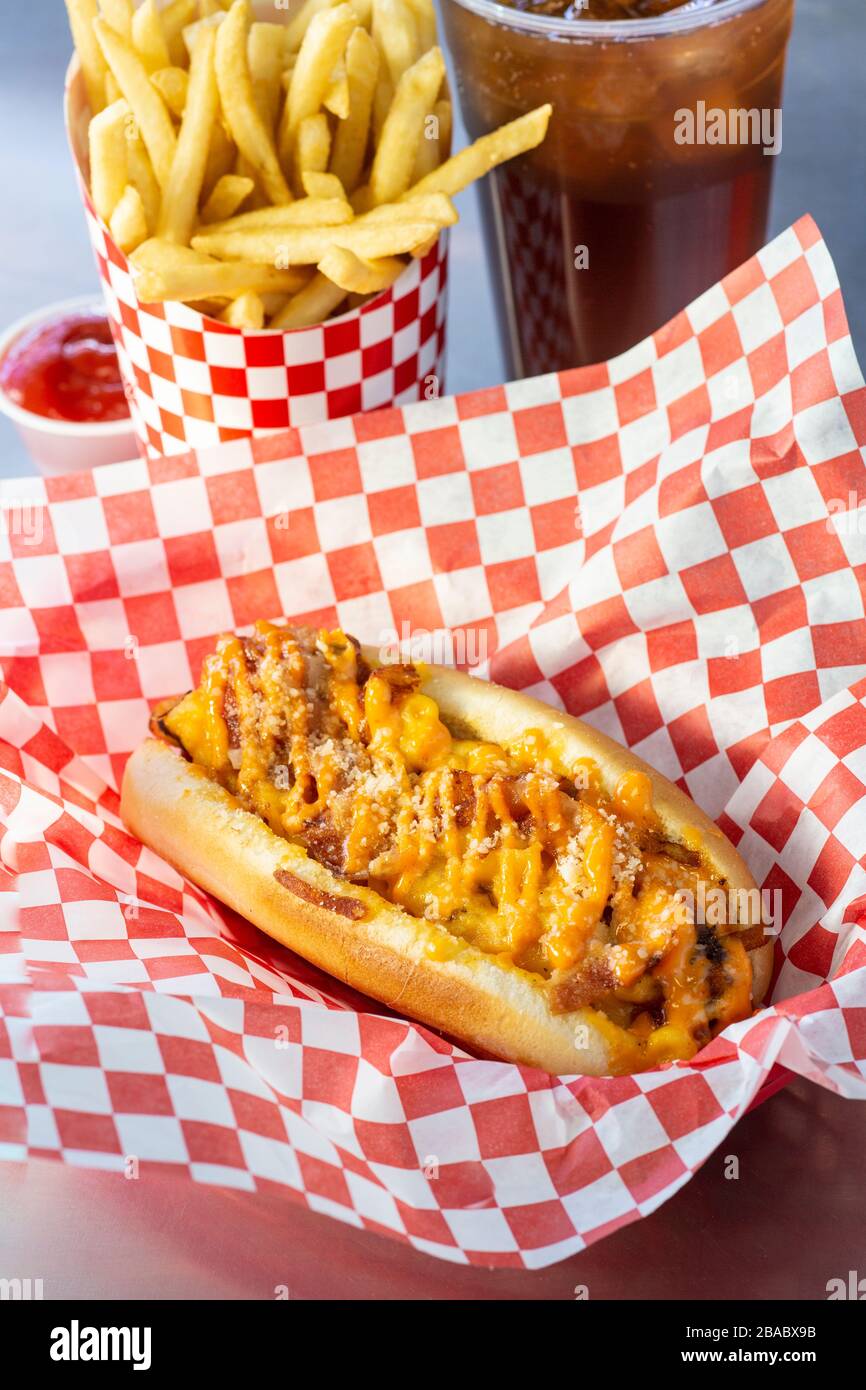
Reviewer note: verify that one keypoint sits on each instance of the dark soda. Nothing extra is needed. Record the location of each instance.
(654, 180)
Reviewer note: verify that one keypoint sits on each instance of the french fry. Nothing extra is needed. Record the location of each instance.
(358, 276)
(247, 311)
(352, 134)
(435, 145)
(361, 200)
(396, 34)
(148, 39)
(396, 37)
(128, 223)
(347, 107)
(147, 105)
(323, 45)
(141, 175)
(428, 156)
(403, 130)
(108, 166)
(221, 158)
(313, 304)
(244, 170)
(313, 148)
(425, 22)
(172, 85)
(211, 308)
(248, 129)
(228, 194)
(93, 66)
(426, 207)
(180, 201)
(175, 17)
(118, 13)
(164, 270)
(488, 152)
(434, 208)
(266, 53)
(154, 254)
(336, 99)
(424, 247)
(382, 97)
(274, 303)
(304, 212)
(444, 113)
(299, 24)
(290, 246)
(191, 32)
(324, 186)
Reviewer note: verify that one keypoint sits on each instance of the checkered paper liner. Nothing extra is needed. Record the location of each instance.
(709, 614)
(193, 381)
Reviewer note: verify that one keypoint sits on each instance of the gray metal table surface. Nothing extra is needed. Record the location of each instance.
(782, 1223)
(796, 1218)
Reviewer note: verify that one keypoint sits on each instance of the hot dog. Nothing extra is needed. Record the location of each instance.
(465, 854)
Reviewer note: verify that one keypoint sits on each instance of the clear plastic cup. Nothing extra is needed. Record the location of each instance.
(616, 222)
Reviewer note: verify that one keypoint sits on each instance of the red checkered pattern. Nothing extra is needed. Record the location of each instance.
(535, 234)
(669, 544)
(193, 381)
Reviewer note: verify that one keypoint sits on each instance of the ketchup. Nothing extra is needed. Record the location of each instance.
(66, 370)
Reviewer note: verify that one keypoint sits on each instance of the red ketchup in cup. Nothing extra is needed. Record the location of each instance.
(66, 370)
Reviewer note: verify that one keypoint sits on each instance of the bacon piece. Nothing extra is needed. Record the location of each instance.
(343, 907)
(401, 677)
(514, 795)
(158, 727)
(581, 986)
(325, 843)
(655, 844)
(362, 670)
(752, 938)
(230, 715)
(464, 798)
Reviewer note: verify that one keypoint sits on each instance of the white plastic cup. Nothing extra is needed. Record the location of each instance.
(65, 446)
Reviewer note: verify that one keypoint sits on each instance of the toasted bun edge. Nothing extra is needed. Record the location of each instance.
(200, 829)
(196, 825)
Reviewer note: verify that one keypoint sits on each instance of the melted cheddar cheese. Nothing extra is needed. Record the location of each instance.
(506, 849)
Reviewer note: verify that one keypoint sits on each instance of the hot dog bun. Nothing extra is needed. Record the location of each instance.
(415, 966)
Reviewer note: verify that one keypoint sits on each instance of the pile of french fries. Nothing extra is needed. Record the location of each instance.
(272, 175)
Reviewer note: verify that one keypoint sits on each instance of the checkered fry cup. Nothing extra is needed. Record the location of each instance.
(194, 381)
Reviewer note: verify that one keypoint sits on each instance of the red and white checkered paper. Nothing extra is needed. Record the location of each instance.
(710, 614)
(193, 381)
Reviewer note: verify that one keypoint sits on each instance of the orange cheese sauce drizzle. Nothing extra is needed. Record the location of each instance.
(505, 848)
